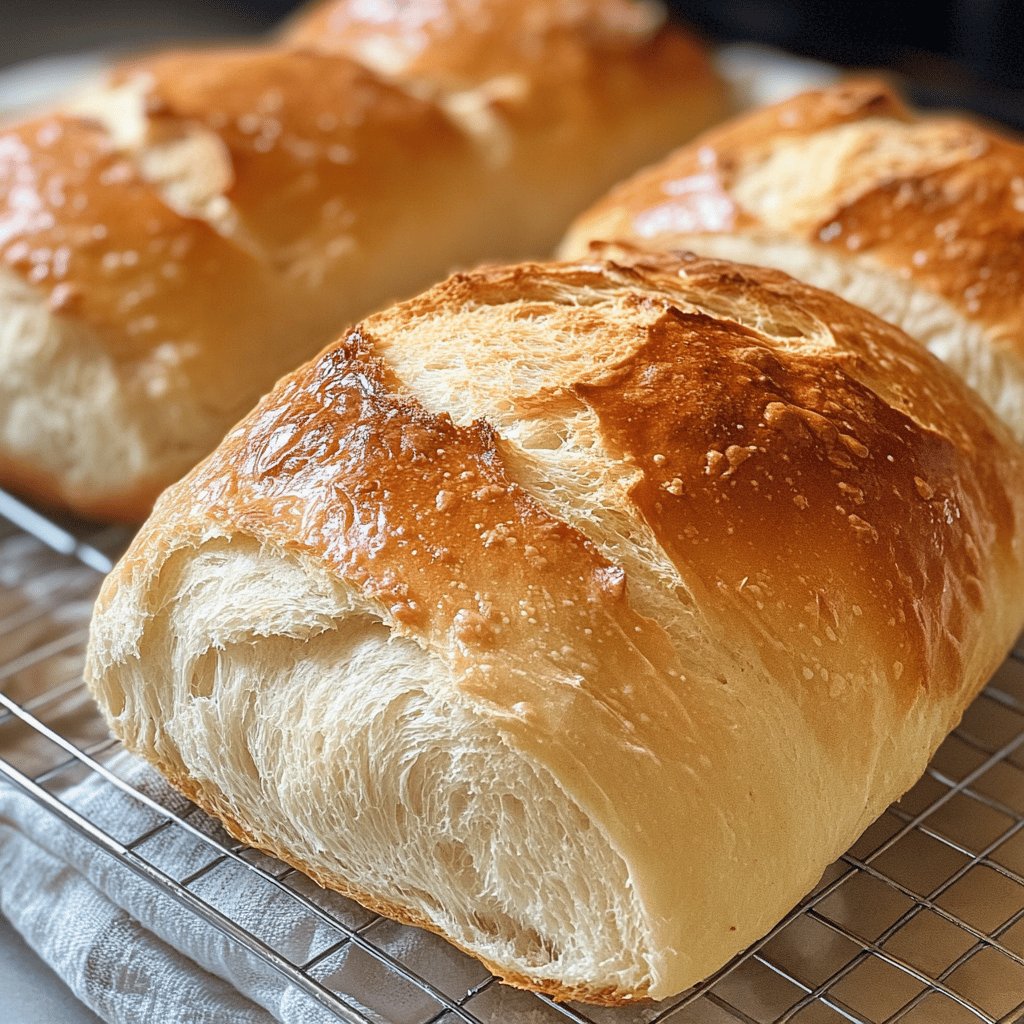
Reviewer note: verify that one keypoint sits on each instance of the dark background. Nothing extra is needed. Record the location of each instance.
(949, 52)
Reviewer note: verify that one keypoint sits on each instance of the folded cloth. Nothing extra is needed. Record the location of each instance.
(125, 949)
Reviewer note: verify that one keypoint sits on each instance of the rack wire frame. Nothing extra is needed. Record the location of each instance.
(921, 922)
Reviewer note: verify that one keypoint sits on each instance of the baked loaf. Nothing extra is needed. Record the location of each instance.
(582, 613)
(918, 219)
(178, 238)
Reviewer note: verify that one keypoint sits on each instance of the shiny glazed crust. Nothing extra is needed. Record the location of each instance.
(670, 572)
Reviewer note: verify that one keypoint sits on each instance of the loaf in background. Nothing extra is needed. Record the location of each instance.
(180, 237)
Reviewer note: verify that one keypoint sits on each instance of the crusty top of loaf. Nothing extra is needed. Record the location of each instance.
(298, 156)
(198, 200)
(803, 464)
(146, 211)
(557, 70)
(193, 227)
(937, 199)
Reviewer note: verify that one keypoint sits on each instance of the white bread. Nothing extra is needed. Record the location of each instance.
(918, 219)
(176, 239)
(582, 613)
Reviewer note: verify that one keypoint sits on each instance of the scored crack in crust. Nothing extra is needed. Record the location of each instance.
(584, 612)
(919, 219)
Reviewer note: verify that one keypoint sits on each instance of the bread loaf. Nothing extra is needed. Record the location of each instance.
(918, 219)
(582, 613)
(178, 238)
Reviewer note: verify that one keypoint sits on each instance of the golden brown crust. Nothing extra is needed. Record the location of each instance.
(567, 73)
(202, 294)
(277, 112)
(551, 81)
(79, 222)
(767, 449)
(937, 200)
(689, 192)
(848, 441)
(427, 522)
(209, 218)
(769, 443)
(82, 222)
(458, 45)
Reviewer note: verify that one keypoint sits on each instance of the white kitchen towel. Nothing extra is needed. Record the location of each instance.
(133, 954)
(127, 951)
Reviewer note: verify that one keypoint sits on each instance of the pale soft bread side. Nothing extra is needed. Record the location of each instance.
(177, 238)
(919, 219)
(582, 612)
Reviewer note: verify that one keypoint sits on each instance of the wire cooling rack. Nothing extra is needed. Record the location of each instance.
(921, 922)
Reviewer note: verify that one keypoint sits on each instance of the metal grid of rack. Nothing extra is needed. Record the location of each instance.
(921, 922)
